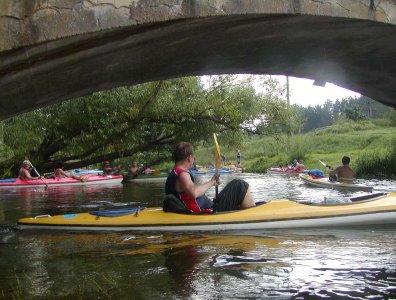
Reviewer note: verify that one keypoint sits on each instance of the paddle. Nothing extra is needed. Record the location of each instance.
(331, 177)
(35, 170)
(218, 161)
(326, 165)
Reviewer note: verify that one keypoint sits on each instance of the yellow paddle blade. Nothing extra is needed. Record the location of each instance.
(155, 172)
(217, 152)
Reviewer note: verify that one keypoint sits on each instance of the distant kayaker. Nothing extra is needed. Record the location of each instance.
(295, 163)
(180, 183)
(60, 173)
(108, 170)
(300, 166)
(24, 171)
(134, 169)
(342, 172)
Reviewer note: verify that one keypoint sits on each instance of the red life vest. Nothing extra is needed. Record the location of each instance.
(170, 188)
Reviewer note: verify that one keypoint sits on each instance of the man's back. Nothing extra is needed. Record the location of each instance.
(344, 172)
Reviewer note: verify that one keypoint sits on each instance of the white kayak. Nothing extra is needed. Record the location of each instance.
(343, 185)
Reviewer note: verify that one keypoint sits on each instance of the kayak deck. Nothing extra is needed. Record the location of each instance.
(326, 183)
(275, 214)
(147, 177)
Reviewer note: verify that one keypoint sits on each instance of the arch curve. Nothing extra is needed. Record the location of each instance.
(357, 54)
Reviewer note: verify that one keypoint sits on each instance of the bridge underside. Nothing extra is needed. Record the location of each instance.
(356, 54)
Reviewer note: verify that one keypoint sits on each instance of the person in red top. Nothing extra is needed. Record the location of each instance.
(180, 183)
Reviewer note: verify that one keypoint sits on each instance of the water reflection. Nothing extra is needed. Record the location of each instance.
(277, 264)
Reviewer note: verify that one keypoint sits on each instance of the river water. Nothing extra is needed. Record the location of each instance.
(345, 263)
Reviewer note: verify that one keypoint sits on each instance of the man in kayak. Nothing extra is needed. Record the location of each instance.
(108, 170)
(134, 170)
(342, 172)
(180, 183)
(60, 173)
(24, 171)
(299, 167)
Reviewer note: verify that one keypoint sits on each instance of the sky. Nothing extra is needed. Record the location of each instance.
(304, 93)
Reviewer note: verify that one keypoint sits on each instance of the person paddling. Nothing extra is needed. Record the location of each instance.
(24, 171)
(342, 172)
(180, 183)
(108, 170)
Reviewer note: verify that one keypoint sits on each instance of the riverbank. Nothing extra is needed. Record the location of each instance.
(370, 144)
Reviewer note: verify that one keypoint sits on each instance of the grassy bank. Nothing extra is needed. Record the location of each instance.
(371, 147)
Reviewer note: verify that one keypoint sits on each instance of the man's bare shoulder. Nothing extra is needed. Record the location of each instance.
(185, 175)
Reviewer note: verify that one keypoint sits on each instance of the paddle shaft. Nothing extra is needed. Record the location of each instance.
(217, 162)
(35, 170)
(216, 187)
(326, 165)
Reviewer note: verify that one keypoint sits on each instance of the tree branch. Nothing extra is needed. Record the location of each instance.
(132, 124)
(162, 139)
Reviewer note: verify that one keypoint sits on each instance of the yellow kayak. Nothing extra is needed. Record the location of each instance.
(377, 208)
(343, 185)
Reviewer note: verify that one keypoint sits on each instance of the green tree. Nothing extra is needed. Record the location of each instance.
(129, 121)
(354, 113)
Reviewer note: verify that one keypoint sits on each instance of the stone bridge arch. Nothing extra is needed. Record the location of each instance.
(53, 50)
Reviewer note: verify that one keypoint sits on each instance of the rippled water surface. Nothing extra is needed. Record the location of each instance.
(345, 263)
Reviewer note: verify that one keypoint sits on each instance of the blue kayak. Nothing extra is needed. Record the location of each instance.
(81, 171)
(210, 171)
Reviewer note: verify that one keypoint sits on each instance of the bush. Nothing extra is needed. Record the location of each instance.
(299, 147)
(377, 163)
(391, 115)
(258, 165)
(383, 122)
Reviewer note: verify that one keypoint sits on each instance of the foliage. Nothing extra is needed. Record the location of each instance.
(391, 115)
(299, 148)
(140, 123)
(343, 125)
(354, 113)
(317, 116)
(355, 109)
(378, 163)
(330, 145)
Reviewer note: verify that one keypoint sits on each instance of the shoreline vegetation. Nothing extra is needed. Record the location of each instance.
(371, 144)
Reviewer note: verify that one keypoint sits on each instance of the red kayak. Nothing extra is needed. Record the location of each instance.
(90, 179)
(285, 171)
